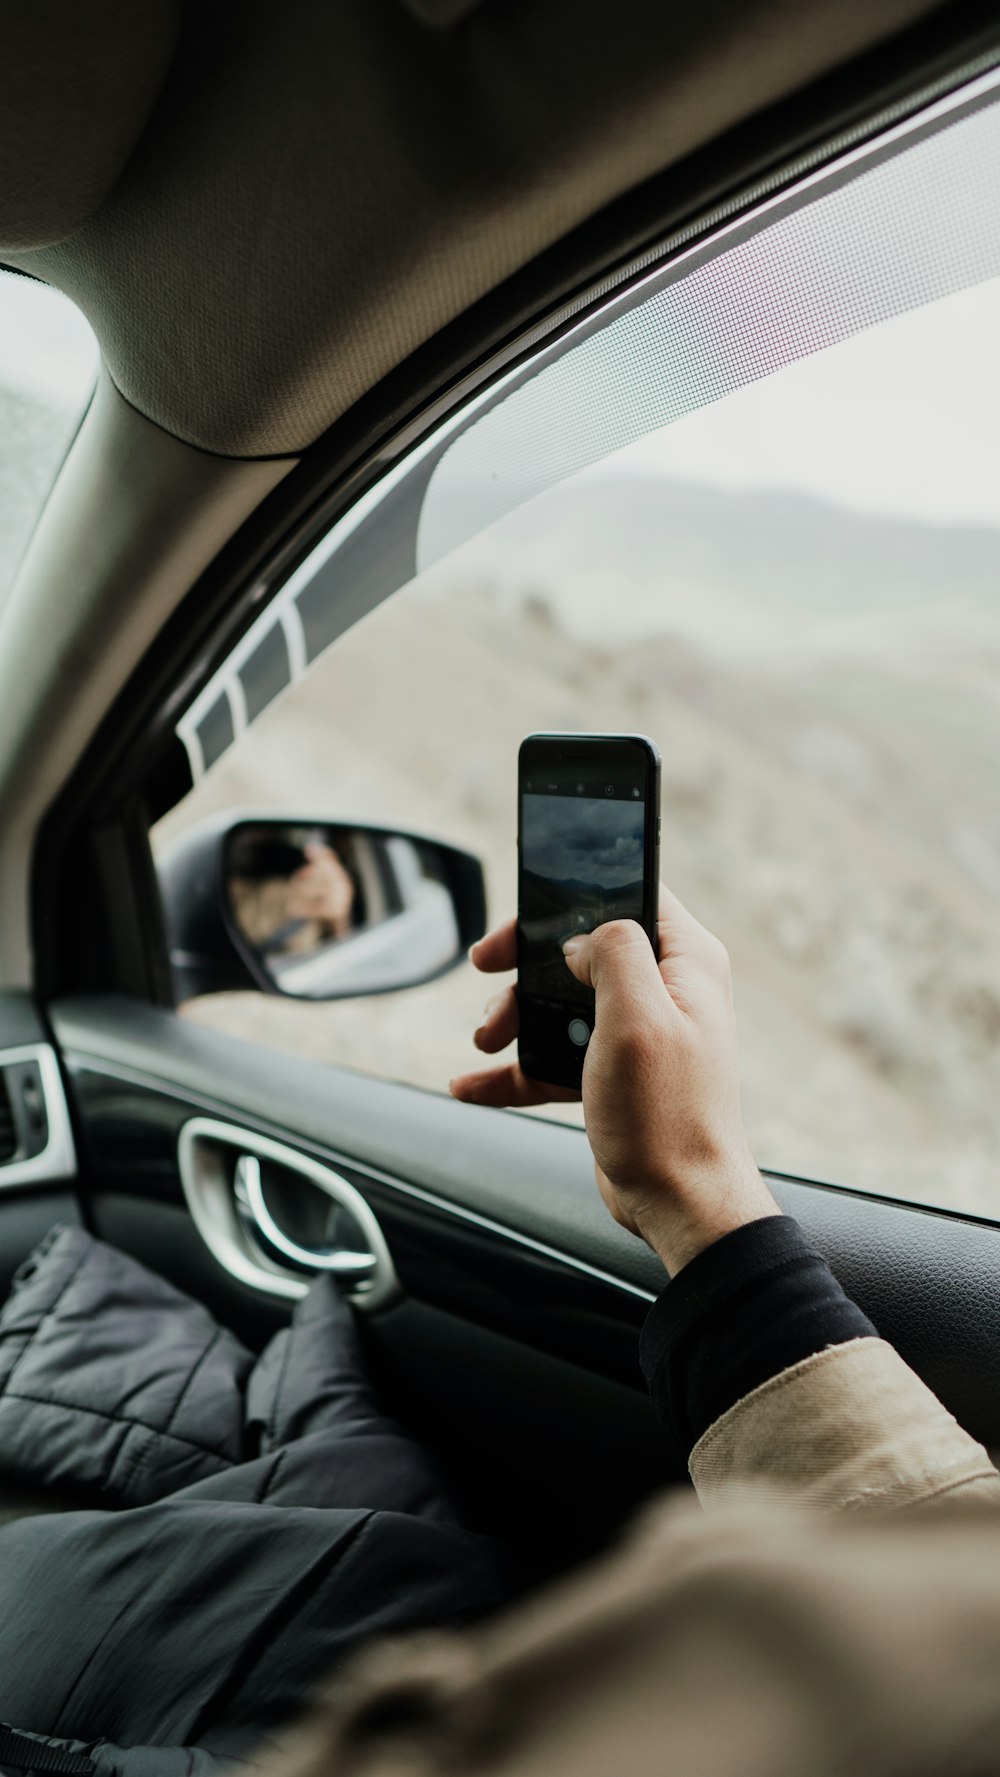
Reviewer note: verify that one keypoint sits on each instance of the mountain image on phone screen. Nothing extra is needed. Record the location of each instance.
(581, 864)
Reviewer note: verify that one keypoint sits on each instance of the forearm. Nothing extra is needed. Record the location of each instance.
(768, 1376)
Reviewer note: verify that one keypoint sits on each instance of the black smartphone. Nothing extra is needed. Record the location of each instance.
(588, 851)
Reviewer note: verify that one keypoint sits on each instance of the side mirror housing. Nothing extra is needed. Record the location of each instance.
(318, 910)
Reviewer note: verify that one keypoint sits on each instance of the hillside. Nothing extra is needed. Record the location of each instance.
(830, 797)
(758, 569)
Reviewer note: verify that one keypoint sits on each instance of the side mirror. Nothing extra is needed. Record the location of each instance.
(315, 909)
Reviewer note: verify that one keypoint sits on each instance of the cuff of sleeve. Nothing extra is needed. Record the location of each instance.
(707, 1283)
(849, 1428)
(752, 1304)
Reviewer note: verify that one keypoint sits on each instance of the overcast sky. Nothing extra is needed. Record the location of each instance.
(903, 419)
(583, 839)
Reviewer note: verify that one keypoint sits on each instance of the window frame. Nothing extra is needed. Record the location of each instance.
(372, 548)
(134, 769)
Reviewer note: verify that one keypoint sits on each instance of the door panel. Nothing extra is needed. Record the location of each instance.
(533, 1178)
(517, 1361)
(481, 1272)
(519, 1370)
(493, 1218)
(538, 1450)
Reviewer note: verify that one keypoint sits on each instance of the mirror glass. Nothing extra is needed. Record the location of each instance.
(324, 911)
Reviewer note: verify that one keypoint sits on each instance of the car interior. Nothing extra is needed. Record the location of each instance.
(359, 278)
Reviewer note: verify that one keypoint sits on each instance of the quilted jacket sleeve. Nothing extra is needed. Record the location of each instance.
(113, 1384)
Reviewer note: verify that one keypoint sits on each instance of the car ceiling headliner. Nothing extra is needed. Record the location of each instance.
(264, 208)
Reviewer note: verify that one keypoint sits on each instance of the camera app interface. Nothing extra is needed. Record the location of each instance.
(582, 843)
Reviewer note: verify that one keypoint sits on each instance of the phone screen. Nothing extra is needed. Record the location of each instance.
(582, 851)
(589, 825)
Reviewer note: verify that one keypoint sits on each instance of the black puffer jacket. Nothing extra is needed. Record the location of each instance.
(253, 1522)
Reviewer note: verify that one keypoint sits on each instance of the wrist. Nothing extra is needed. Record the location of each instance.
(680, 1222)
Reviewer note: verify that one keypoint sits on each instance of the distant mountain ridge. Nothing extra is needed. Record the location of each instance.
(750, 555)
(573, 890)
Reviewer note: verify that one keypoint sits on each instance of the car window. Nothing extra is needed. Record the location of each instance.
(751, 508)
(48, 363)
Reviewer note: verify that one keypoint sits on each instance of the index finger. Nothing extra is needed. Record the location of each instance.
(498, 950)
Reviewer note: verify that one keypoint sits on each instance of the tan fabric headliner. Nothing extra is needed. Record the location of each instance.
(335, 181)
(77, 85)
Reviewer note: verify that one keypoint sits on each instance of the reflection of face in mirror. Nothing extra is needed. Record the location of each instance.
(323, 891)
(291, 894)
(331, 910)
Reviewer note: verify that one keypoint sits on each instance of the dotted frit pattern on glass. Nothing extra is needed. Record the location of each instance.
(905, 232)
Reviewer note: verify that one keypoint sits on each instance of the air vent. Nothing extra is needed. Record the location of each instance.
(36, 1141)
(9, 1138)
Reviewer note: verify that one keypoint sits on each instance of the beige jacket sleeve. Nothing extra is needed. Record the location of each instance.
(851, 1427)
(762, 1641)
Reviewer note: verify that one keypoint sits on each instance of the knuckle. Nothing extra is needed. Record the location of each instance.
(616, 934)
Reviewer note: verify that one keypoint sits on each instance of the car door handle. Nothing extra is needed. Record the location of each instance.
(226, 1173)
(251, 1206)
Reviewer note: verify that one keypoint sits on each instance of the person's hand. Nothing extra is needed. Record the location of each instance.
(322, 889)
(661, 1092)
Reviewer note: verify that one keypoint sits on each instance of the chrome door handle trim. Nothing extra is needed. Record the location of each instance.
(208, 1152)
(248, 1188)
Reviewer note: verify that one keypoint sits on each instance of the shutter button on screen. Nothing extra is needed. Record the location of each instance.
(579, 1032)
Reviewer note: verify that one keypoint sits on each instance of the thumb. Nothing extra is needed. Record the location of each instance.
(617, 961)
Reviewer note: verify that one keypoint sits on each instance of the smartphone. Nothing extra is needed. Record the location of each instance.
(588, 851)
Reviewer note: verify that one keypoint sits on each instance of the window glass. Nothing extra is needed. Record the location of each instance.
(48, 363)
(788, 578)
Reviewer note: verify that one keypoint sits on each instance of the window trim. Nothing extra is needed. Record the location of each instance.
(133, 770)
(395, 499)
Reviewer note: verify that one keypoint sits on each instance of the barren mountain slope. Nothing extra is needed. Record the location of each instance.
(828, 803)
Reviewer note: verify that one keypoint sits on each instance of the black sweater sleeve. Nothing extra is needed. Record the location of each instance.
(749, 1306)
